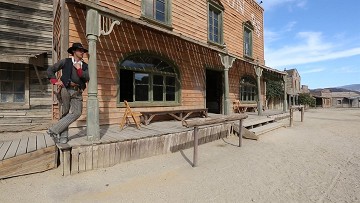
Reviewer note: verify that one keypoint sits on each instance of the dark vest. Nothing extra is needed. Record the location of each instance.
(67, 72)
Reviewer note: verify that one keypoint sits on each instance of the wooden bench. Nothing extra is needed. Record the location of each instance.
(178, 114)
(243, 107)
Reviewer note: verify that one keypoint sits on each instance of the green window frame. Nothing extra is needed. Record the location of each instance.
(215, 23)
(157, 10)
(248, 89)
(148, 80)
(248, 40)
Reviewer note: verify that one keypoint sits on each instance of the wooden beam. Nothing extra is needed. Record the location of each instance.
(210, 121)
(64, 30)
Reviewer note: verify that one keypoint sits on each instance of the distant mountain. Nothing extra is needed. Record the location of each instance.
(353, 87)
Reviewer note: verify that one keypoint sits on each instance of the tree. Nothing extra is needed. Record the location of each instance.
(307, 100)
(274, 90)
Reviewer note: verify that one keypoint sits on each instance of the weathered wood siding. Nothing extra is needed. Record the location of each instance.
(191, 59)
(26, 26)
(190, 19)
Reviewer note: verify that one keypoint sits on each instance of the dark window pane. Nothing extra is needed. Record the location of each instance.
(7, 87)
(19, 87)
(19, 98)
(158, 92)
(160, 16)
(141, 78)
(7, 98)
(149, 8)
(160, 6)
(158, 80)
(126, 85)
(216, 39)
(170, 93)
(6, 75)
(19, 75)
(141, 93)
(170, 81)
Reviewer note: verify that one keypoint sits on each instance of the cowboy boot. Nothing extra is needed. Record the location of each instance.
(54, 136)
(64, 137)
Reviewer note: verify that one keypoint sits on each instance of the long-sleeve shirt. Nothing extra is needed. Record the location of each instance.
(76, 76)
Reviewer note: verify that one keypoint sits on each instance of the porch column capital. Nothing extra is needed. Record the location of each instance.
(226, 60)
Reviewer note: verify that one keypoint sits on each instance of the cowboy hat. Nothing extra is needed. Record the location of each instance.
(76, 46)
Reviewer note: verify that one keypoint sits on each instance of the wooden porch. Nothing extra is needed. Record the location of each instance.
(115, 146)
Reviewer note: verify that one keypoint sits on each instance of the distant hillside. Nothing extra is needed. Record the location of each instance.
(353, 87)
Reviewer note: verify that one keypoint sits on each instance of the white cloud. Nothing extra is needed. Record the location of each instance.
(270, 4)
(271, 36)
(310, 48)
(315, 70)
(347, 70)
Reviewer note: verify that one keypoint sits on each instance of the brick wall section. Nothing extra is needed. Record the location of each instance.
(191, 59)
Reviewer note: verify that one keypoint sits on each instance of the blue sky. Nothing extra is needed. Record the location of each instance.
(320, 38)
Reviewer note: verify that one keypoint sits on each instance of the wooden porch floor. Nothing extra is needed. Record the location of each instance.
(17, 147)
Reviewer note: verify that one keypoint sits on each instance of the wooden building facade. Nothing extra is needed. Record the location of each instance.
(25, 54)
(167, 54)
(293, 87)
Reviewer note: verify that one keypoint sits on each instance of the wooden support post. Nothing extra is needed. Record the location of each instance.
(227, 62)
(196, 145)
(291, 117)
(240, 132)
(92, 119)
(302, 113)
(65, 158)
(258, 71)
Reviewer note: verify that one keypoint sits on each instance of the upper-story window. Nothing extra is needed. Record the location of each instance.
(248, 30)
(158, 10)
(215, 22)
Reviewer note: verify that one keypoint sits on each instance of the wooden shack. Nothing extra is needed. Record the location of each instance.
(164, 55)
(25, 53)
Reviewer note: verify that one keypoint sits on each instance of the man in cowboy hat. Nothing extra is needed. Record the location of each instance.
(72, 82)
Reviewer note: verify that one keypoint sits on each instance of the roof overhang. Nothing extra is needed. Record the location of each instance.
(34, 59)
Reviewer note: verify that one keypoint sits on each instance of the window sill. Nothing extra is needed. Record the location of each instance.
(222, 46)
(248, 102)
(249, 58)
(148, 104)
(13, 106)
(155, 22)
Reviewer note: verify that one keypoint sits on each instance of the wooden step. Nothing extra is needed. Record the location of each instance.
(253, 122)
(246, 133)
(266, 128)
(14, 120)
(13, 113)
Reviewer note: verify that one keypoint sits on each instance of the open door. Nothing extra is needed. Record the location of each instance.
(214, 91)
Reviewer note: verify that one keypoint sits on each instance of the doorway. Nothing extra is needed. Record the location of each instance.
(214, 91)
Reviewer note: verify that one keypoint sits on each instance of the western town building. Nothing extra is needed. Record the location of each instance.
(25, 53)
(327, 98)
(166, 54)
(293, 87)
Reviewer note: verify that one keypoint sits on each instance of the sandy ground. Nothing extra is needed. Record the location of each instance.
(315, 161)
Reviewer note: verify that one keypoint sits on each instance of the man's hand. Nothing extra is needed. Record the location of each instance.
(77, 66)
(60, 83)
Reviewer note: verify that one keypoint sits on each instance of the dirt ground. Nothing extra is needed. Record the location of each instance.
(314, 161)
